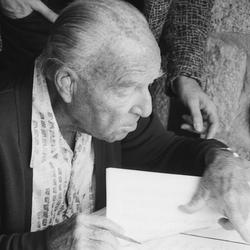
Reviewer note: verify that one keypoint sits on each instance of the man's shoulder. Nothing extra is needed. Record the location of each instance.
(7, 103)
(7, 86)
(15, 95)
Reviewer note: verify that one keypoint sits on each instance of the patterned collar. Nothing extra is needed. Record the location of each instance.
(62, 178)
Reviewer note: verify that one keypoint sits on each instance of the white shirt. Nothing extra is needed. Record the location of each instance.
(62, 179)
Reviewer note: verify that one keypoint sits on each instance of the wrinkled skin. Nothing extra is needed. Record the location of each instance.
(84, 232)
(116, 94)
(224, 186)
(203, 117)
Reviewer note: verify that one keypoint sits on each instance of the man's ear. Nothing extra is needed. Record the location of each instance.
(65, 82)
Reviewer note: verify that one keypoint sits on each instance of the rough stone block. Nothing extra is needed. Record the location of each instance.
(231, 16)
(224, 78)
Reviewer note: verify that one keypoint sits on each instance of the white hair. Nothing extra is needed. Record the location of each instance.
(85, 28)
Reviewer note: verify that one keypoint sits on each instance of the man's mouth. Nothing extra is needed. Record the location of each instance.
(131, 127)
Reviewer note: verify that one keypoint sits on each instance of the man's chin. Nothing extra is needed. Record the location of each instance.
(119, 135)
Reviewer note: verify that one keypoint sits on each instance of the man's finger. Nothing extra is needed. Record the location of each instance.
(190, 128)
(211, 131)
(89, 237)
(213, 124)
(104, 236)
(239, 223)
(196, 115)
(44, 10)
(101, 222)
(187, 119)
(197, 202)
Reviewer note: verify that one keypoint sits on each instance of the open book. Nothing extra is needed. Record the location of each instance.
(146, 205)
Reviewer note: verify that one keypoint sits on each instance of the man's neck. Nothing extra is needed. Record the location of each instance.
(69, 137)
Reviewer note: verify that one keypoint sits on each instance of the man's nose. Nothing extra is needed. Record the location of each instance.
(143, 107)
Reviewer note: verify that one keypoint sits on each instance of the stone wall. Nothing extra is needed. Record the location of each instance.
(231, 16)
(227, 75)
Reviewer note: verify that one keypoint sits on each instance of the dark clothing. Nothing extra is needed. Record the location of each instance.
(150, 147)
(139, 4)
(184, 37)
(24, 38)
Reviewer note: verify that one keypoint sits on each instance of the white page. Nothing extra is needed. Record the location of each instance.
(146, 204)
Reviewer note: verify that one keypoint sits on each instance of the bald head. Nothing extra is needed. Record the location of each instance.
(88, 28)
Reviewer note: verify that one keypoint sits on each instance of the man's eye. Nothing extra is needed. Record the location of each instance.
(124, 91)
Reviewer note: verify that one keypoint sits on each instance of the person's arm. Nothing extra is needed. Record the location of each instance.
(224, 174)
(225, 187)
(156, 12)
(185, 36)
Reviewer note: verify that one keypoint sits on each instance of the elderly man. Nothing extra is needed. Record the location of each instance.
(86, 106)
(25, 28)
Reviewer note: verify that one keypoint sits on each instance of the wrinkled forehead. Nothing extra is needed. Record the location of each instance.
(141, 62)
(129, 60)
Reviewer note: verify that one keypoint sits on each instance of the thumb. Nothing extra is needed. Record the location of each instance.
(197, 202)
(196, 116)
(40, 7)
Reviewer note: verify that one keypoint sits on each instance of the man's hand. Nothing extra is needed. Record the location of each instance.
(225, 187)
(203, 119)
(84, 232)
(21, 8)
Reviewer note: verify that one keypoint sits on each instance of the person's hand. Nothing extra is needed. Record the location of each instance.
(21, 8)
(224, 186)
(84, 232)
(203, 119)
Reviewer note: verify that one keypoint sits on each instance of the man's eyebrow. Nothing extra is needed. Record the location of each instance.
(121, 84)
(126, 84)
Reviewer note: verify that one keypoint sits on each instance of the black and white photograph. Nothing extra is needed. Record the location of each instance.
(124, 125)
